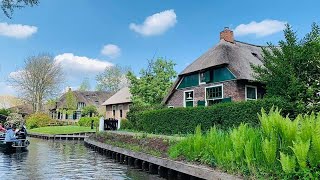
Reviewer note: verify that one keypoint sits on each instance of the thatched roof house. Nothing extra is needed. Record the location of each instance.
(83, 98)
(223, 73)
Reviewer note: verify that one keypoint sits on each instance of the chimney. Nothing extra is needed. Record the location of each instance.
(227, 35)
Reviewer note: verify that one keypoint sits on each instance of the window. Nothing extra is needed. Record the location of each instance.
(120, 109)
(130, 106)
(204, 77)
(214, 94)
(251, 92)
(170, 106)
(188, 98)
(81, 105)
(114, 110)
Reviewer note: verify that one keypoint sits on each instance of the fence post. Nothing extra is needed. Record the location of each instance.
(101, 124)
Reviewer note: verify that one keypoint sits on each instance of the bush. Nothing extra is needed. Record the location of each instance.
(86, 121)
(89, 110)
(224, 115)
(279, 148)
(38, 120)
(5, 112)
(125, 124)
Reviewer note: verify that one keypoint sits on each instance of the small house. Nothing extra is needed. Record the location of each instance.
(118, 105)
(222, 74)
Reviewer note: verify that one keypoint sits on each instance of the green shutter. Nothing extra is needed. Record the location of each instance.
(222, 74)
(189, 104)
(226, 99)
(207, 77)
(189, 81)
(201, 103)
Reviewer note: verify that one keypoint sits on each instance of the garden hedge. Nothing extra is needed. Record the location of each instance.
(223, 115)
(86, 121)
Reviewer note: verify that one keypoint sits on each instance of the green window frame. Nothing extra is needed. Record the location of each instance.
(251, 92)
(214, 94)
(188, 98)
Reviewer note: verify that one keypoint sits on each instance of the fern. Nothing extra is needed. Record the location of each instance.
(288, 163)
(269, 149)
(301, 150)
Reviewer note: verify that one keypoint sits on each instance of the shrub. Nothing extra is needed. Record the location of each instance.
(38, 120)
(224, 115)
(89, 110)
(5, 112)
(125, 124)
(86, 121)
(281, 151)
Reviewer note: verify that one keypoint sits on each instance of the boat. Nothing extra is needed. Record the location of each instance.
(14, 146)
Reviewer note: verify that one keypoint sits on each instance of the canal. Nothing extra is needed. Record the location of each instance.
(64, 160)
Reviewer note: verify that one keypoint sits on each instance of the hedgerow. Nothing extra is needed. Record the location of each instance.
(224, 115)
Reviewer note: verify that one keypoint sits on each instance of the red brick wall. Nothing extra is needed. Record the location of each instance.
(234, 89)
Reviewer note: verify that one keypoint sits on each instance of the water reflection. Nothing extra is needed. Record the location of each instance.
(63, 160)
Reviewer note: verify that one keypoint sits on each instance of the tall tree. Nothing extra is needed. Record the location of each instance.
(71, 102)
(85, 85)
(292, 69)
(8, 6)
(154, 82)
(112, 79)
(39, 80)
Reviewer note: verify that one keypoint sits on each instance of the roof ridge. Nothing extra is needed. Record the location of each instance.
(250, 44)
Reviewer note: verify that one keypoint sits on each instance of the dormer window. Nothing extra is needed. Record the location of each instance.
(81, 105)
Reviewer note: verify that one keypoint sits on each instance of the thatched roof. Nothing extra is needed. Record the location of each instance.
(236, 56)
(88, 97)
(24, 109)
(122, 96)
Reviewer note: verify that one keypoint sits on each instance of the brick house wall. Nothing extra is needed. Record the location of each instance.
(233, 88)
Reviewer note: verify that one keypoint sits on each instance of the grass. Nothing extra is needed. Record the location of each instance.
(62, 130)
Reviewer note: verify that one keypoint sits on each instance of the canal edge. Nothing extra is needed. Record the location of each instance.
(156, 165)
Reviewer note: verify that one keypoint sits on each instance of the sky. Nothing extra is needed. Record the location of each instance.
(86, 36)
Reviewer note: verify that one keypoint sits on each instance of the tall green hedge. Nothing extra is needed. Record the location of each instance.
(224, 115)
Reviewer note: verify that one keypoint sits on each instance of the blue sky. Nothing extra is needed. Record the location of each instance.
(87, 35)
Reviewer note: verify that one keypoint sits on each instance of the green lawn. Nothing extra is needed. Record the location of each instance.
(61, 130)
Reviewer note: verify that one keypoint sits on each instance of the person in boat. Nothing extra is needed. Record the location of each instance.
(2, 129)
(22, 133)
(10, 134)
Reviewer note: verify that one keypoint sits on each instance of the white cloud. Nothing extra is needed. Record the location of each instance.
(81, 64)
(156, 24)
(18, 31)
(111, 50)
(260, 29)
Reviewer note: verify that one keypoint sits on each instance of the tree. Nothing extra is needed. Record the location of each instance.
(8, 6)
(154, 82)
(39, 80)
(85, 85)
(7, 101)
(90, 111)
(71, 101)
(112, 79)
(292, 70)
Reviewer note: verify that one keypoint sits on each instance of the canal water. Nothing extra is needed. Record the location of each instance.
(64, 160)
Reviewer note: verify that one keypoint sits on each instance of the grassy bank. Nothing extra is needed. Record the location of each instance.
(139, 142)
(61, 130)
